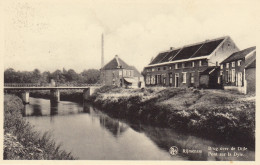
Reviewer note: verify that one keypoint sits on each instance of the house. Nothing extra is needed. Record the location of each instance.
(183, 67)
(238, 71)
(117, 72)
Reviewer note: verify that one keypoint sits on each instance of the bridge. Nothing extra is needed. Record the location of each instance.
(25, 88)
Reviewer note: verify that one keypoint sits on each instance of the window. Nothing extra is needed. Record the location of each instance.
(164, 79)
(192, 77)
(153, 80)
(233, 75)
(184, 74)
(221, 66)
(239, 62)
(233, 64)
(158, 79)
(120, 72)
(221, 73)
(193, 64)
(153, 69)
(183, 65)
(113, 74)
(125, 74)
(200, 63)
(176, 66)
(170, 78)
(170, 67)
(158, 69)
(148, 80)
(164, 68)
(227, 76)
(227, 65)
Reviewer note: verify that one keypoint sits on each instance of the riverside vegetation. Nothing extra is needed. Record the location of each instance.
(21, 141)
(216, 114)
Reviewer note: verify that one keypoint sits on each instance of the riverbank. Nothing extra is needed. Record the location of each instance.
(215, 114)
(21, 141)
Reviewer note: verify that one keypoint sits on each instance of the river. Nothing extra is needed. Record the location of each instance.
(90, 134)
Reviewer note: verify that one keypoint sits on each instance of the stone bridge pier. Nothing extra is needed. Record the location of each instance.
(88, 92)
(25, 97)
(55, 95)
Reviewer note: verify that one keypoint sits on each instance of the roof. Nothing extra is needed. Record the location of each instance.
(239, 55)
(117, 63)
(136, 72)
(200, 49)
(208, 71)
(251, 65)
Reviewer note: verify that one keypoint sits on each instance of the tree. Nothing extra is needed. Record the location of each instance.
(36, 76)
(90, 76)
(58, 76)
(72, 76)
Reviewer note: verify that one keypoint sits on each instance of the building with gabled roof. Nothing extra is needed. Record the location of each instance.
(117, 72)
(182, 67)
(237, 72)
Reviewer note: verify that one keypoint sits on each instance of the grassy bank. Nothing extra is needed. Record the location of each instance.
(21, 141)
(216, 114)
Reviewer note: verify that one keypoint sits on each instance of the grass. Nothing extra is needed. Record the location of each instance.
(21, 141)
(216, 114)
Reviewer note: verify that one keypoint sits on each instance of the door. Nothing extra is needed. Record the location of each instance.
(239, 79)
(176, 79)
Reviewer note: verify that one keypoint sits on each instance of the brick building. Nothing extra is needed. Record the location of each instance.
(183, 67)
(117, 72)
(238, 71)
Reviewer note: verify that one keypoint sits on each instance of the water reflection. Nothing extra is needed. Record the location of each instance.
(113, 126)
(92, 134)
(54, 106)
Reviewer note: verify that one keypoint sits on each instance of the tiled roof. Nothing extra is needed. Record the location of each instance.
(208, 70)
(117, 63)
(239, 55)
(136, 72)
(170, 55)
(159, 57)
(191, 51)
(251, 65)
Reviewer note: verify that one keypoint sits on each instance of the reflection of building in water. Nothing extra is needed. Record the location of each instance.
(114, 126)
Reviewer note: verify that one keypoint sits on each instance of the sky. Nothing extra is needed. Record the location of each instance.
(57, 34)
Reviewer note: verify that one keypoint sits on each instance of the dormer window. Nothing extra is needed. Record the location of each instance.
(221, 66)
(200, 63)
(193, 64)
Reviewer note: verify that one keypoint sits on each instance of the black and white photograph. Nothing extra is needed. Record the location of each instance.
(129, 80)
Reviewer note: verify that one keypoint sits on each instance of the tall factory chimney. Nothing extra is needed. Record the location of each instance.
(102, 51)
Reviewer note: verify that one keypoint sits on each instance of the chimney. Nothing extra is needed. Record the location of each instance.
(102, 51)
(118, 63)
(171, 48)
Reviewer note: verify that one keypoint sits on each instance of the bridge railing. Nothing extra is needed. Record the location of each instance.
(47, 85)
